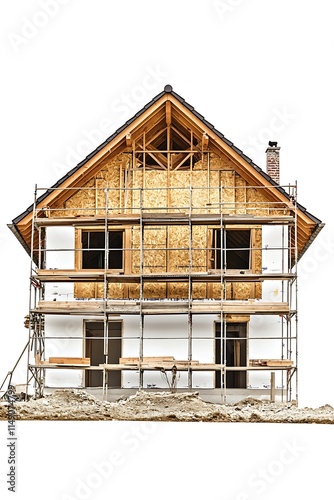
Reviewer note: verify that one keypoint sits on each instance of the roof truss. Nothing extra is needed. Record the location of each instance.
(167, 135)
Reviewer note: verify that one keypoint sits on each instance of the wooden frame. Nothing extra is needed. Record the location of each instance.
(232, 320)
(84, 328)
(126, 269)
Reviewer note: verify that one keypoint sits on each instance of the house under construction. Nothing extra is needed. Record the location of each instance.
(166, 258)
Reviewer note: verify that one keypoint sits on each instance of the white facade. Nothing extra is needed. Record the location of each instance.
(163, 335)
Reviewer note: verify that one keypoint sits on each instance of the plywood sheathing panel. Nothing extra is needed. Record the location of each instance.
(134, 291)
(178, 255)
(217, 162)
(82, 203)
(199, 193)
(137, 184)
(135, 250)
(228, 192)
(155, 259)
(199, 245)
(155, 195)
(240, 195)
(199, 290)
(218, 291)
(214, 192)
(110, 176)
(178, 258)
(91, 200)
(115, 290)
(85, 290)
(154, 255)
(180, 195)
(258, 204)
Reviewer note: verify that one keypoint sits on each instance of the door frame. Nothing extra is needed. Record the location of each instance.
(113, 320)
(233, 320)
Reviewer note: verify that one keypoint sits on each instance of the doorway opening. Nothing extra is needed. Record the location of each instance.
(236, 353)
(94, 338)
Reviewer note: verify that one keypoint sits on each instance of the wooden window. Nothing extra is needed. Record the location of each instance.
(93, 250)
(234, 251)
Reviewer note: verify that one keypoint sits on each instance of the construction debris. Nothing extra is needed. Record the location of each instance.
(77, 404)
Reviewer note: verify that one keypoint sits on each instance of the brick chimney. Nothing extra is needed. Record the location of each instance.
(273, 161)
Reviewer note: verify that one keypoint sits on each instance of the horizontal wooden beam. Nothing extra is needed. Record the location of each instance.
(72, 361)
(160, 307)
(98, 275)
(168, 113)
(164, 218)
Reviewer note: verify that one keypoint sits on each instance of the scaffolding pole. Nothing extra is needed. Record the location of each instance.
(105, 294)
(190, 294)
(290, 288)
(141, 292)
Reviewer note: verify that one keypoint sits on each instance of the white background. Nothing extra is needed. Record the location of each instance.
(257, 70)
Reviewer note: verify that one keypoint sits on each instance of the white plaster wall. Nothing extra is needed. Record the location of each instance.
(60, 255)
(64, 326)
(156, 327)
(263, 326)
(169, 345)
(273, 240)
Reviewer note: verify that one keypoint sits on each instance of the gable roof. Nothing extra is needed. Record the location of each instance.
(156, 111)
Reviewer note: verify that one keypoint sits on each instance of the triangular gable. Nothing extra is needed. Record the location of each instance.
(167, 108)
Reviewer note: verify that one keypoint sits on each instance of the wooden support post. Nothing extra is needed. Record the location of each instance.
(272, 387)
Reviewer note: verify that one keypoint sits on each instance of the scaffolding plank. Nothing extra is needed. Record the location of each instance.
(164, 366)
(147, 359)
(69, 361)
(270, 362)
(165, 218)
(98, 307)
(45, 364)
(97, 275)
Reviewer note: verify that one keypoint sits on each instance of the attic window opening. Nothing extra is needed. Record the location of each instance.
(234, 253)
(93, 249)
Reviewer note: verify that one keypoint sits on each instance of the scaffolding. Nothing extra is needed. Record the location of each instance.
(133, 212)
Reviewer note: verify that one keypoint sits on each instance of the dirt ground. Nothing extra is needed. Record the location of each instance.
(77, 404)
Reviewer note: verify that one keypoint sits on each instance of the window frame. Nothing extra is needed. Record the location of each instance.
(126, 261)
(214, 250)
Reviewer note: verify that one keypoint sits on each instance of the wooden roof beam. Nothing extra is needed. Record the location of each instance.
(179, 134)
(179, 159)
(168, 113)
(128, 140)
(205, 141)
(155, 136)
(160, 159)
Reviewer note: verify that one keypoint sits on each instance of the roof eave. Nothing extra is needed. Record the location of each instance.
(17, 235)
(309, 242)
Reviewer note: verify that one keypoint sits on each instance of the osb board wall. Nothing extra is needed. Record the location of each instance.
(162, 189)
(157, 191)
(91, 200)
